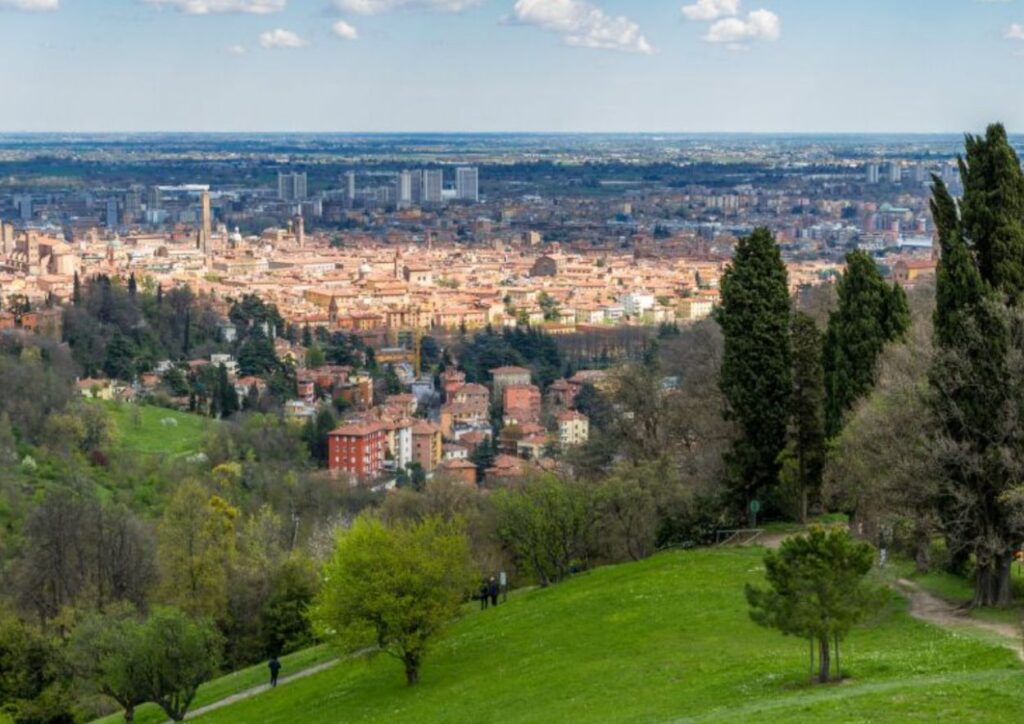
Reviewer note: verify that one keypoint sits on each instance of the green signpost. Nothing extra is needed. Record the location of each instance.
(755, 508)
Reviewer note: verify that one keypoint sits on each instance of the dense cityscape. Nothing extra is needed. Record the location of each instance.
(584, 241)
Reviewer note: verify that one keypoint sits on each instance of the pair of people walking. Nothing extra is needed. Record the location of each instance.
(491, 588)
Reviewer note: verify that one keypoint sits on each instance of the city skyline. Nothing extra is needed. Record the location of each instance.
(577, 66)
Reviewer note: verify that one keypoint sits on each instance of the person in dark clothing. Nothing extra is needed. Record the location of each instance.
(492, 590)
(275, 667)
(484, 591)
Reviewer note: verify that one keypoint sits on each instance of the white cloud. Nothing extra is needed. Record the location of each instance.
(237, 50)
(30, 5)
(279, 38)
(210, 7)
(758, 25)
(582, 24)
(711, 9)
(1015, 32)
(345, 31)
(376, 7)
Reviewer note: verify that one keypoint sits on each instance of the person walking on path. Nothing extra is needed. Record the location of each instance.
(503, 585)
(275, 668)
(483, 595)
(492, 590)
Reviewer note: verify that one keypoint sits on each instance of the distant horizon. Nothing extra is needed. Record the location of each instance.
(776, 67)
(677, 134)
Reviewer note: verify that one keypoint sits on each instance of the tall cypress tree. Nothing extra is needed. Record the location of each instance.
(992, 210)
(756, 376)
(978, 386)
(870, 314)
(807, 428)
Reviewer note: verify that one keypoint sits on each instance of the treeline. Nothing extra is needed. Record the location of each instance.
(225, 542)
(527, 347)
(931, 461)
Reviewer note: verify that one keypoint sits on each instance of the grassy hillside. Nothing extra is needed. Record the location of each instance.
(228, 685)
(667, 639)
(150, 430)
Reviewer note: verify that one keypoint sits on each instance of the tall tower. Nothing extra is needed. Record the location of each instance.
(299, 224)
(205, 227)
(467, 184)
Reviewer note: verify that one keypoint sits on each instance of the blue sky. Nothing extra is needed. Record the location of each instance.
(511, 65)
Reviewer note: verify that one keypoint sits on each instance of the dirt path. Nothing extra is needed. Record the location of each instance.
(257, 690)
(928, 607)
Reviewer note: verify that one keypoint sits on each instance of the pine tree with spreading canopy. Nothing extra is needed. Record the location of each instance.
(817, 591)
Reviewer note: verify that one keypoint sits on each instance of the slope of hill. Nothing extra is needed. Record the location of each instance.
(157, 431)
(666, 639)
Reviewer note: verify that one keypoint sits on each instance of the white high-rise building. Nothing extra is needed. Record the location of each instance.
(873, 173)
(467, 184)
(291, 186)
(350, 186)
(895, 173)
(205, 226)
(403, 189)
(433, 186)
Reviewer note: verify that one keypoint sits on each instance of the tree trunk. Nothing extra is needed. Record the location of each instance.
(839, 668)
(823, 660)
(412, 670)
(992, 584)
(129, 714)
(811, 642)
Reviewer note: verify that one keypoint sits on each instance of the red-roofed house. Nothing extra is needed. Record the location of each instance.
(357, 449)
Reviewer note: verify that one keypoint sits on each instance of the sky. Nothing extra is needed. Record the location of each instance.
(793, 66)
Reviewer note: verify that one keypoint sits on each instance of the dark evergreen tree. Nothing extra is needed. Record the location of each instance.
(132, 285)
(870, 314)
(186, 342)
(76, 291)
(119, 362)
(315, 435)
(227, 403)
(992, 210)
(807, 425)
(756, 375)
(392, 385)
(958, 286)
(977, 377)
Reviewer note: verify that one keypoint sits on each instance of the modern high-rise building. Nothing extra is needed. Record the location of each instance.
(112, 218)
(417, 187)
(433, 186)
(350, 186)
(873, 173)
(291, 186)
(205, 226)
(403, 189)
(467, 184)
(895, 173)
(24, 206)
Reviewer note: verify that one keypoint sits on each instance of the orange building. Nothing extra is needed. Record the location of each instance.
(357, 449)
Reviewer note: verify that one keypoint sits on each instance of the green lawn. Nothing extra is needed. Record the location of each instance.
(232, 684)
(142, 429)
(666, 639)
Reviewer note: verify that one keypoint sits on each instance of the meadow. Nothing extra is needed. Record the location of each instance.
(667, 639)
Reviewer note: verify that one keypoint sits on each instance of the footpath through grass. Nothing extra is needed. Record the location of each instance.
(667, 639)
(156, 430)
(231, 684)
